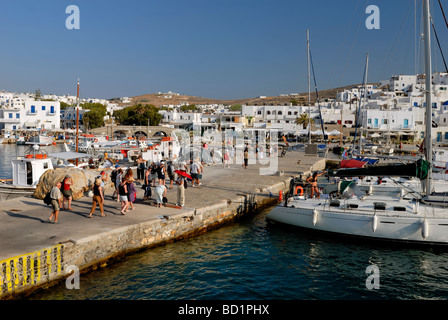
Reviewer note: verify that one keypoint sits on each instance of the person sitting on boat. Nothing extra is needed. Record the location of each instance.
(313, 181)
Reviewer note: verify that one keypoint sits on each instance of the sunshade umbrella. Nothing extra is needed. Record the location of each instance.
(183, 174)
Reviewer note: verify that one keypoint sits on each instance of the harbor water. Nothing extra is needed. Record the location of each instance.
(254, 259)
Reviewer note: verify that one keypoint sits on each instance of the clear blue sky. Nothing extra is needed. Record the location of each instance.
(223, 49)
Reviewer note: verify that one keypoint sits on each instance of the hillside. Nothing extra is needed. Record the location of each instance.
(302, 98)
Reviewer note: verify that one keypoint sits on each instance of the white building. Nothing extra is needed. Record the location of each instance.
(33, 115)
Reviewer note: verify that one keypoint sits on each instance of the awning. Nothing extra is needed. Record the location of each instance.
(68, 155)
(30, 124)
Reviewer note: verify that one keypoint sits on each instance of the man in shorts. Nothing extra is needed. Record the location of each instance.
(56, 198)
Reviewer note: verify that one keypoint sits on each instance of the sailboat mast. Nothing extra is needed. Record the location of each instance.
(309, 84)
(428, 72)
(364, 96)
(77, 122)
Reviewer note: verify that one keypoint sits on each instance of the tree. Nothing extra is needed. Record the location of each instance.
(190, 107)
(37, 95)
(303, 119)
(139, 114)
(294, 102)
(95, 117)
(236, 107)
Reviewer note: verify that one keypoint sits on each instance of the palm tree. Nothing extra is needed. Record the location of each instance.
(303, 119)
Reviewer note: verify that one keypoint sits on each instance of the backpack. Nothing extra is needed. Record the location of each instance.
(170, 169)
(47, 199)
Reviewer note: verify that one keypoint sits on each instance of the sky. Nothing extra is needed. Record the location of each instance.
(222, 49)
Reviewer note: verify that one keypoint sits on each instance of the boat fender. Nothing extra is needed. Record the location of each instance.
(374, 223)
(370, 189)
(315, 216)
(425, 229)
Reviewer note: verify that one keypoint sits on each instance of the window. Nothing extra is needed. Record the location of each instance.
(10, 115)
(33, 109)
(52, 109)
(369, 121)
(446, 135)
(268, 112)
(259, 112)
(296, 113)
(384, 121)
(17, 115)
(43, 108)
(279, 113)
(289, 113)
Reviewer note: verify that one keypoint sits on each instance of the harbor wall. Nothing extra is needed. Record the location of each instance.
(23, 274)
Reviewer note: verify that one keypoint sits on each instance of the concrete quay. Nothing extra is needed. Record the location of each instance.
(35, 253)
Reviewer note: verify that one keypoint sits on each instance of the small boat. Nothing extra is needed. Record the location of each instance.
(21, 141)
(40, 140)
(26, 171)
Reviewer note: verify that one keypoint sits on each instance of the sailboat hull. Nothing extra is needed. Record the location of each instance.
(387, 226)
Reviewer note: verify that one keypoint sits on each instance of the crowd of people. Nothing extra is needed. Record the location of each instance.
(153, 178)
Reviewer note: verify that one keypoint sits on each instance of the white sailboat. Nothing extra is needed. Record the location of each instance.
(385, 217)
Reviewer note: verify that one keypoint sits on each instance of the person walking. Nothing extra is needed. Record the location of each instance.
(170, 171)
(141, 167)
(195, 171)
(123, 196)
(132, 192)
(67, 192)
(226, 159)
(161, 173)
(98, 197)
(160, 192)
(154, 175)
(118, 181)
(56, 199)
(246, 158)
(147, 184)
(180, 191)
(113, 178)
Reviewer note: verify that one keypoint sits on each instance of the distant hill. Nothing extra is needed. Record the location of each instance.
(302, 98)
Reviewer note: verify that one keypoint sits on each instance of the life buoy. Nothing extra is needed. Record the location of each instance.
(29, 156)
(39, 156)
(96, 140)
(301, 190)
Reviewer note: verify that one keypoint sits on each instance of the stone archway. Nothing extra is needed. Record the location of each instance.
(119, 135)
(140, 134)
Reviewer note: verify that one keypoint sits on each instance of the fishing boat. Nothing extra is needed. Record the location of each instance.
(26, 172)
(376, 216)
(41, 140)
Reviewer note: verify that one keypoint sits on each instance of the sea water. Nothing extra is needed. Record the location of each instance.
(255, 259)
